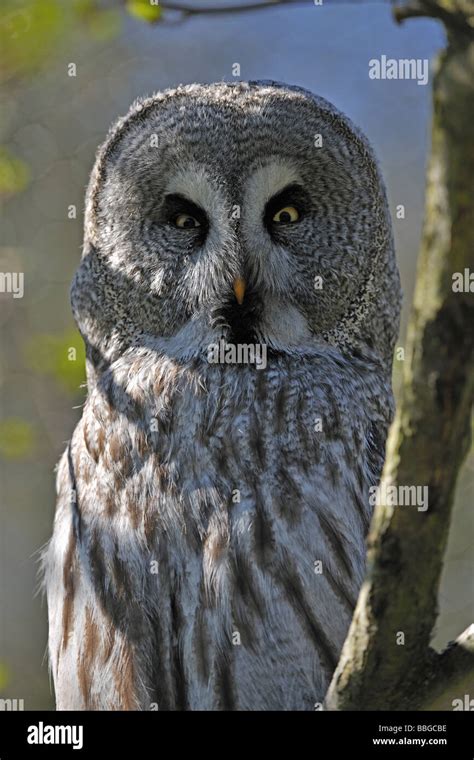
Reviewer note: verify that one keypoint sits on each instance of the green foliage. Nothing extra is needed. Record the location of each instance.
(61, 357)
(16, 440)
(14, 174)
(30, 32)
(103, 24)
(33, 31)
(144, 10)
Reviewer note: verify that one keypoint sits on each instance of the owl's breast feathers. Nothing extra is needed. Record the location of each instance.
(209, 537)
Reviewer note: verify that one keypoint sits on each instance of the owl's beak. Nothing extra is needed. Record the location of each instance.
(239, 289)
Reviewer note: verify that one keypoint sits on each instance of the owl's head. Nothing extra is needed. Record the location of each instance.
(253, 211)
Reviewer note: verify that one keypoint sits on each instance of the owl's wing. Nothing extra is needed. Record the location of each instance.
(96, 623)
(375, 440)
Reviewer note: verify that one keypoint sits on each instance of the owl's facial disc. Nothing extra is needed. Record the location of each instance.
(201, 188)
(225, 239)
(235, 271)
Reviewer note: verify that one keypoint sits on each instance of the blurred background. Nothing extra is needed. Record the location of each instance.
(50, 125)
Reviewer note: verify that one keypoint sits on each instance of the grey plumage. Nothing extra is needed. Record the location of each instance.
(208, 544)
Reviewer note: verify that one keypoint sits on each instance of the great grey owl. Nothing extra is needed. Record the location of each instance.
(239, 300)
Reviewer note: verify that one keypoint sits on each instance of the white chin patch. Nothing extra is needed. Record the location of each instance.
(283, 325)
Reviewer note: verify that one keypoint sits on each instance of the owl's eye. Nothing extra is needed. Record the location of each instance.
(284, 210)
(286, 215)
(186, 222)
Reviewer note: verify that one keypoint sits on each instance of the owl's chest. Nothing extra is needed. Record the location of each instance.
(191, 446)
(258, 453)
(237, 509)
(265, 513)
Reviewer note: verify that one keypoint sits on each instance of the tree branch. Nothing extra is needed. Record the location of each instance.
(455, 14)
(196, 10)
(386, 657)
(452, 675)
(193, 10)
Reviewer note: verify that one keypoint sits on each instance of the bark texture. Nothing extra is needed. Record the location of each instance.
(431, 432)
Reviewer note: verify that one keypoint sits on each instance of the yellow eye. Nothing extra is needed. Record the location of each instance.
(186, 222)
(286, 215)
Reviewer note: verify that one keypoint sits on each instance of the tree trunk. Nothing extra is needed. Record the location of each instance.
(387, 663)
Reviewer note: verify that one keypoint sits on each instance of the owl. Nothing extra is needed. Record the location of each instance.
(239, 300)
